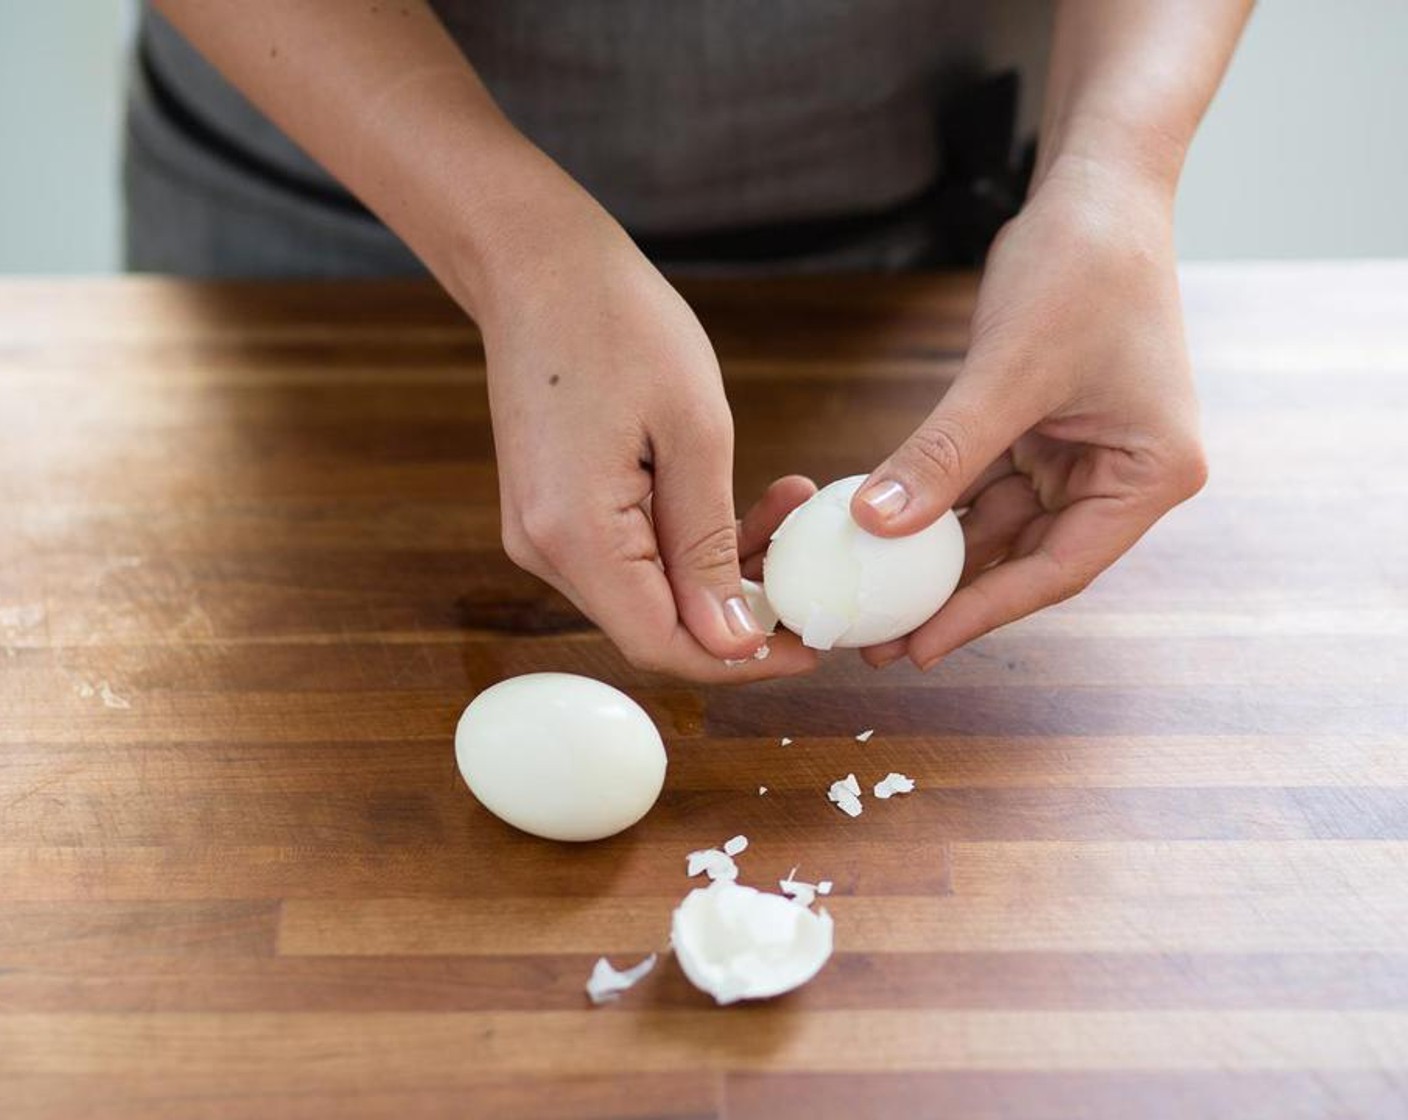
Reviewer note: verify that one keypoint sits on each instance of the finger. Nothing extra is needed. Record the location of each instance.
(617, 583)
(698, 536)
(887, 653)
(994, 521)
(756, 528)
(970, 429)
(1002, 467)
(991, 525)
(1077, 545)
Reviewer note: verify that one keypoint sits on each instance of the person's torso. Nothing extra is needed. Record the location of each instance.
(679, 115)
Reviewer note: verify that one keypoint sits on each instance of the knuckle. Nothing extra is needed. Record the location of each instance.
(715, 551)
(543, 530)
(1190, 470)
(641, 656)
(713, 427)
(1077, 581)
(938, 447)
(1068, 579)
(517, 546)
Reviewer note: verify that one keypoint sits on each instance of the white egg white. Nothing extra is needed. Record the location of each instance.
(561, 756)
(836, 585)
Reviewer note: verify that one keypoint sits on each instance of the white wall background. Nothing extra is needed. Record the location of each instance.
(1304, 154)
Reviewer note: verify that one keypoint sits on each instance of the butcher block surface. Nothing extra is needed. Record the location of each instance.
(1156, 864)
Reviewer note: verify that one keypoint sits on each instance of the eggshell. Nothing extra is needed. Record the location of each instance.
(836, 585)
(561, 756)
(735, 942)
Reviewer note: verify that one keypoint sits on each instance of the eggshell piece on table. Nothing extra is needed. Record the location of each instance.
(561, 756)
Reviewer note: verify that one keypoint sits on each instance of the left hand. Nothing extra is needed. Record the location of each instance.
(1072, 426)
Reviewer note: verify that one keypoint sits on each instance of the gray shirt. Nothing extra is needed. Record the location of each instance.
(680, 116)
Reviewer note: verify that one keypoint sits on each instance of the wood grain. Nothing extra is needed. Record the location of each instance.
(1157, 864)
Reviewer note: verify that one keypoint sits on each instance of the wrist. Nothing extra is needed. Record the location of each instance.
(1141, 157)
(508, 246)
(1109, 195)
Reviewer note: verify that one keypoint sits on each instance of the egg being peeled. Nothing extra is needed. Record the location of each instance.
(836, 585)
(561, 756)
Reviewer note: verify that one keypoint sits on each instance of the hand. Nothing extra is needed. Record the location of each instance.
(615, 453)
(1072, 426)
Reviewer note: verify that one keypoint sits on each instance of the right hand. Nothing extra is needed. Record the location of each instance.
(615, 452)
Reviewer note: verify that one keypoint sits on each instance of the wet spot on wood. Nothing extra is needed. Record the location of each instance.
(551, 614)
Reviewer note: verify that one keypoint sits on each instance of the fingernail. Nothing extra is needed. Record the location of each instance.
(886, 498)
(740, 618)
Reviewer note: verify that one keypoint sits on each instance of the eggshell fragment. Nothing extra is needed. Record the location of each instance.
(892, 784)
(561, 756)
(864, 736)
(736, 845)
(712, 862)
(607, 983)
(822, 628)
(836, 585)
(804, 894)
(846, 795)
(735, 942)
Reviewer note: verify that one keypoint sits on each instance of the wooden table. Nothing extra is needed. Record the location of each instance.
(1157, 865)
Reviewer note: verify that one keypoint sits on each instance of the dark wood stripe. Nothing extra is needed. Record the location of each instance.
(466, 659)
(1206, 709)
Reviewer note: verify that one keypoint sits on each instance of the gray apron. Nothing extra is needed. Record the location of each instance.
(738, 135)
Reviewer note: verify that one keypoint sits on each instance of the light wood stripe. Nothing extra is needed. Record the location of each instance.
(1105, 1095)
(316, 1049)
(526, 868)
(58, 977)
(671, 1096)
(1338, 869)
(1309, 922)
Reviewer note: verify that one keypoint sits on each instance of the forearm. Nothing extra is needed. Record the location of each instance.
(381, 96)
(1129, 82)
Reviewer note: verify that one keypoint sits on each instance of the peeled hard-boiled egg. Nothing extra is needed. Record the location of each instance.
(561, 756)
(834, 584)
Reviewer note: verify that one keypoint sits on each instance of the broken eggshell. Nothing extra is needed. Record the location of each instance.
(735, 942)
(836, 585)
(606, 983)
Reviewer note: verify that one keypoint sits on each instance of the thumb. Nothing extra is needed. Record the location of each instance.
(970, 428)
(698, 538)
